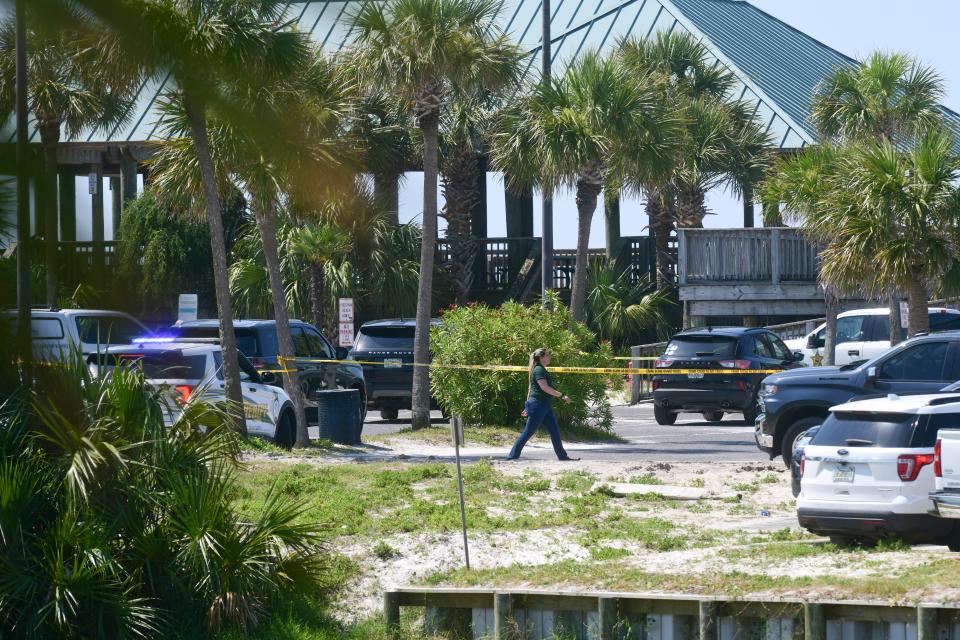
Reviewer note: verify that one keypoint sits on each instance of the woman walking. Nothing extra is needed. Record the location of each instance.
(539, 409)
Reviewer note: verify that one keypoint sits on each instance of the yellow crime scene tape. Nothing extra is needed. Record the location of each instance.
(523, 369)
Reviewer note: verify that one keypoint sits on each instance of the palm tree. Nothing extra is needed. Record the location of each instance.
(419, 49)
(622, 311)
(319, 245)
(583, 131)
(889, 98)
(77, 83)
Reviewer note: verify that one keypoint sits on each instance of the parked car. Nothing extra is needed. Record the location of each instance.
(257, 339)
(727, 350)
(863, 334)
(183, 371)
(946, 469)
(868, 472)
(802, 441)
(56, 332)
(793, 401)
(388, 346)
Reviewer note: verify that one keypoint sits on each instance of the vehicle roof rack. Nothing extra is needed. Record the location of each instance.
(939, 401)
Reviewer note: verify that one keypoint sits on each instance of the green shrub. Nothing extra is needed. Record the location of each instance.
(506, 336)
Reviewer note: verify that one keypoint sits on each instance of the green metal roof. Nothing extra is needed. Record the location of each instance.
(777, 66)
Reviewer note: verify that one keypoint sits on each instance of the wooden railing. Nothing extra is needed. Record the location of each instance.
(721, 256)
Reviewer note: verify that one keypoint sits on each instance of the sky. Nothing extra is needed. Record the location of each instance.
(925, 29)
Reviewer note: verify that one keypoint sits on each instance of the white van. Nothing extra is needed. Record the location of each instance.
(863, 334)
(56, 332)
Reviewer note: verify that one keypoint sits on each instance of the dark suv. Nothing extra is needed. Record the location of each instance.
(389, 344)
(257, 339)
(728, 350)
(793, 401)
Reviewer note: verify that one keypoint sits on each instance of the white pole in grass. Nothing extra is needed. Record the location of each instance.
(456, 427)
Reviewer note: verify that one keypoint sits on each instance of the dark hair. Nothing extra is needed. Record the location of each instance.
(534, 361)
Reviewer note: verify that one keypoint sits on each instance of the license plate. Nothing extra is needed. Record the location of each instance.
(392, 363)
(843, 474)
(695, 376)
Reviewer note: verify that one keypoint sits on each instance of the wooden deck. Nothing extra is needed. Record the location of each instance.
(728, 272)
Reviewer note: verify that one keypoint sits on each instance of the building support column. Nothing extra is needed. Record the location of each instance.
(611, 210)
(96, 201)
(128, 178)
(68, 206)
(116, 205)
(519, 210)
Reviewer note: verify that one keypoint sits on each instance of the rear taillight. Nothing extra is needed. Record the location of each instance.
(183, 392)
(656, 384)
(803, 463)
(937, 469)
(661, 363)
(909, 465)
(741, 385)
(735, 364)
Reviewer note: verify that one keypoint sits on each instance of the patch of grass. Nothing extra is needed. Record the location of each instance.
(648, 478)
(608, 553)
(384, 551)
(770, 478)
(576, 481)
(698, 483)
(745, 487)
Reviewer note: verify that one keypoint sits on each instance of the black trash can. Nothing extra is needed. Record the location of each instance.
(339, 416)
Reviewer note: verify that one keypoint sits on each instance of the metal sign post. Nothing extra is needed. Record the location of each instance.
(456, 428)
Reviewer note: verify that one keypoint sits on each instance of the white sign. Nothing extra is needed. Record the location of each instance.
(346, 334)
(903, 314)
(187, 307)
(92, 185)
(346, 309)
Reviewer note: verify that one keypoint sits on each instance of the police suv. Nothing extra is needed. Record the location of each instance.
(186, 370)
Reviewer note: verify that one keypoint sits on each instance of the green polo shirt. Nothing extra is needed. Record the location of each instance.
(540, 373)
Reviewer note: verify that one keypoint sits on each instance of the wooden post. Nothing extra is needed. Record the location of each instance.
(608, 611)
(502, 615)
(128, 177)
(681, 257)
(709, 611)
(775, 256)
(927, 626)
(814, 621)
(68, 206)
(96, 200)
(115, 205)
(391, 611)
(611, 210)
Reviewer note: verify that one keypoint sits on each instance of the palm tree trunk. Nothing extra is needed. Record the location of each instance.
(588, 190)
(421, 343)
(317, 293)
(459, 179)
(660, 225)
(830, 333)
(918, 318)
(49, 138)
(691, 209)
(386, 194)
(893, 303)
(218, 250)
(267, 226)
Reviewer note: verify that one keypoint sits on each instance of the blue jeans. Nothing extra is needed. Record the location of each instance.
(538, 413)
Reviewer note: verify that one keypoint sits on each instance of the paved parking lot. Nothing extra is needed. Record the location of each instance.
(690, 439)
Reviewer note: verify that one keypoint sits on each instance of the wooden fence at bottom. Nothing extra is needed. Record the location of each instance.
(541, 615)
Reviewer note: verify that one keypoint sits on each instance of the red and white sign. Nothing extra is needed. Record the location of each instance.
(346, 334)
(345, 307)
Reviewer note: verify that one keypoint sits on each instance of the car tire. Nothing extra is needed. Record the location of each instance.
(663, 415)
(953, 540)
(389, 414)
(286, 433)
(363, 405)
(751, 413)
(798, 427)
(713, 416)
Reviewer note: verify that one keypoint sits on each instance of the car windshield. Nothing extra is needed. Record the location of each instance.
(942, 321)
(385, 339)
(108, 329)
(157, 365)
(246, 338)
(702, 346)
(865, 429)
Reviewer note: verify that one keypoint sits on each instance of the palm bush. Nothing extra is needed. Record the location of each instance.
(114, 525)
(622, 311)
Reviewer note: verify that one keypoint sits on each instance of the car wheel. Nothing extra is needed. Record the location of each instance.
(363, 406)
(663, 415)
(751, 413)
(798, 427)
(713, 416)
(953, 541)
(286, 433)
(389, 414)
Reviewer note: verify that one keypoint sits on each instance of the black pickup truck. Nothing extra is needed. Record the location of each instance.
(793, 401)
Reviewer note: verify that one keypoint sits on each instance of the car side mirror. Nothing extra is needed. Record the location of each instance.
(871, 375)
(268, 377)
(342, 353)
(813, 342)
(798, 356)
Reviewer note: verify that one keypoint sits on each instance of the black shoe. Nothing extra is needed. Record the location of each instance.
(509, 459)
(568, 459)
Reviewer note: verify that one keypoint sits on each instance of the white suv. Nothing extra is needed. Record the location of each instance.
(56, 332)
(184, 370)
(868, 472)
